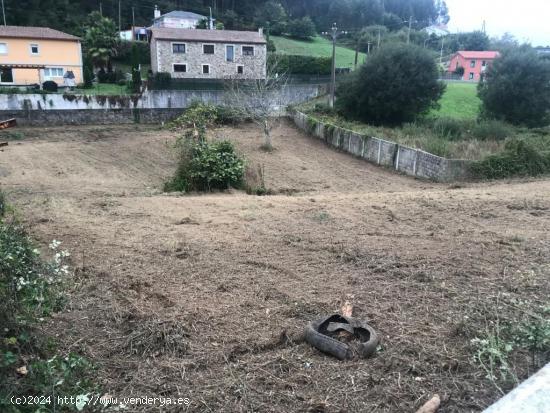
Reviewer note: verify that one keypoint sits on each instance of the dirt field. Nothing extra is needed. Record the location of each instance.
(206, 296)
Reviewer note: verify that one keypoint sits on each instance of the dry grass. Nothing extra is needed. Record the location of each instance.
(207, 296)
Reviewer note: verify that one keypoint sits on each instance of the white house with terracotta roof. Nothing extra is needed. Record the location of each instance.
(474, 63)
(32, 55)
(208, 54)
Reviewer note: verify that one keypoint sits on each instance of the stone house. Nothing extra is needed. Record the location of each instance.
(208, 54)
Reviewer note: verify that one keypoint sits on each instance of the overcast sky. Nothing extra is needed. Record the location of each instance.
(527, 20)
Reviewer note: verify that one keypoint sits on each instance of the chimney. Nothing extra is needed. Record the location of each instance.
(157, 12)
(261, 31)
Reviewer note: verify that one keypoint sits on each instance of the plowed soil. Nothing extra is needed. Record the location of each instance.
(206, 296)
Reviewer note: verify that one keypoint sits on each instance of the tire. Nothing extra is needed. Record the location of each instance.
(318, 335)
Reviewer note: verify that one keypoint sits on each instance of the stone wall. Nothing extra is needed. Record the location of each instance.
(47, 108)
(88, 116)
(254, 67)
(409, 161)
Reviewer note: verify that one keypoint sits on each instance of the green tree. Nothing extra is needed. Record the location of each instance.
(516, 88)
(136, 72)
(273, 16)
(100, 39)
(474, 41)
(396, 84)
(301, 28)
(88, 73)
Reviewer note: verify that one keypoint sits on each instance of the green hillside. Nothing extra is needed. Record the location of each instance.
(459, 101)
(319, 46)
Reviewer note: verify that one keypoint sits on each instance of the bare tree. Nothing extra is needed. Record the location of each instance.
(260, 100)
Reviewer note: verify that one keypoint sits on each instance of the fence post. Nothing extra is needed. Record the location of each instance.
(397, 159)
(379, 150)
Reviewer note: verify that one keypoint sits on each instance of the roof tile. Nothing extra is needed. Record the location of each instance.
(207, 35)
(35, 33)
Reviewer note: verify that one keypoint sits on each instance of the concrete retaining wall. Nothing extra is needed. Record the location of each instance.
(410, 161)
(90, 116)
(152, 106)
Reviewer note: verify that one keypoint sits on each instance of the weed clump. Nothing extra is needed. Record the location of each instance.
(518, 159)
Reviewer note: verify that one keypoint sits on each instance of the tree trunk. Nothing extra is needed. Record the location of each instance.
(267, 136)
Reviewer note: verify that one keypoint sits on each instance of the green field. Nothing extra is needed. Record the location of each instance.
(459, 101)
(318, 46)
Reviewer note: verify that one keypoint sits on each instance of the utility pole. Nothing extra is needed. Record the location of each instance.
(333, 73)
(4, 13)
(410, 27)
(100, 8)
(133, 17)
(378, 46)
(368, 47)
(119, 19)
(334, 34)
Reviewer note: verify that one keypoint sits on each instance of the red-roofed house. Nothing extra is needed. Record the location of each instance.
(474, 63)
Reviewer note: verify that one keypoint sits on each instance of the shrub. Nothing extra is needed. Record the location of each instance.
(227, 115)
(124, 52)
(110, 76)
(491, 130)
(516, 88)
(49, 86)
(448, 128)
(300, 65)
(207, 166)
(301, 28)
(396, 84)
(198, 115)
(517, 159)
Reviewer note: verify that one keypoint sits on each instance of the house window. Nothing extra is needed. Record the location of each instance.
(473, 63)
(178, 47)
(248, 50)
(229, 53)
(471, 76)
(53, 72)
(240, 69)
(34, 49)
(180, 68)
(205, 69)
(208, 48)
(483, 63)
(3, 48)
(457, 64)
(6, 75)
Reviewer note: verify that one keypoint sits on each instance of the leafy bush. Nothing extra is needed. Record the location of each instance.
(28, 291)
(198, 115)
(448, 128)
(492, 130)
(110, 76)
(516, 88)
(300, 65)
(207, 166)
(301, 28)
(517, 159)
(49, 86)
(396, 84)
(124, 52)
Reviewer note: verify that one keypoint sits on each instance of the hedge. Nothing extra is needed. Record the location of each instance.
(300, 65)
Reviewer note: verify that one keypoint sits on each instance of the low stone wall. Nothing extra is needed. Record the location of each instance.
(90, 116)
(409, 161)
(150, 107)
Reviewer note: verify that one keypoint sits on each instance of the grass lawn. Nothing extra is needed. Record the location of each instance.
(318, 46)
(459, 101)
(103, 89)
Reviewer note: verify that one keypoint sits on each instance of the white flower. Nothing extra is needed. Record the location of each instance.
(55, 244)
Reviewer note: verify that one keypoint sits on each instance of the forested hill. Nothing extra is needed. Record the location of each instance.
(70, 15)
